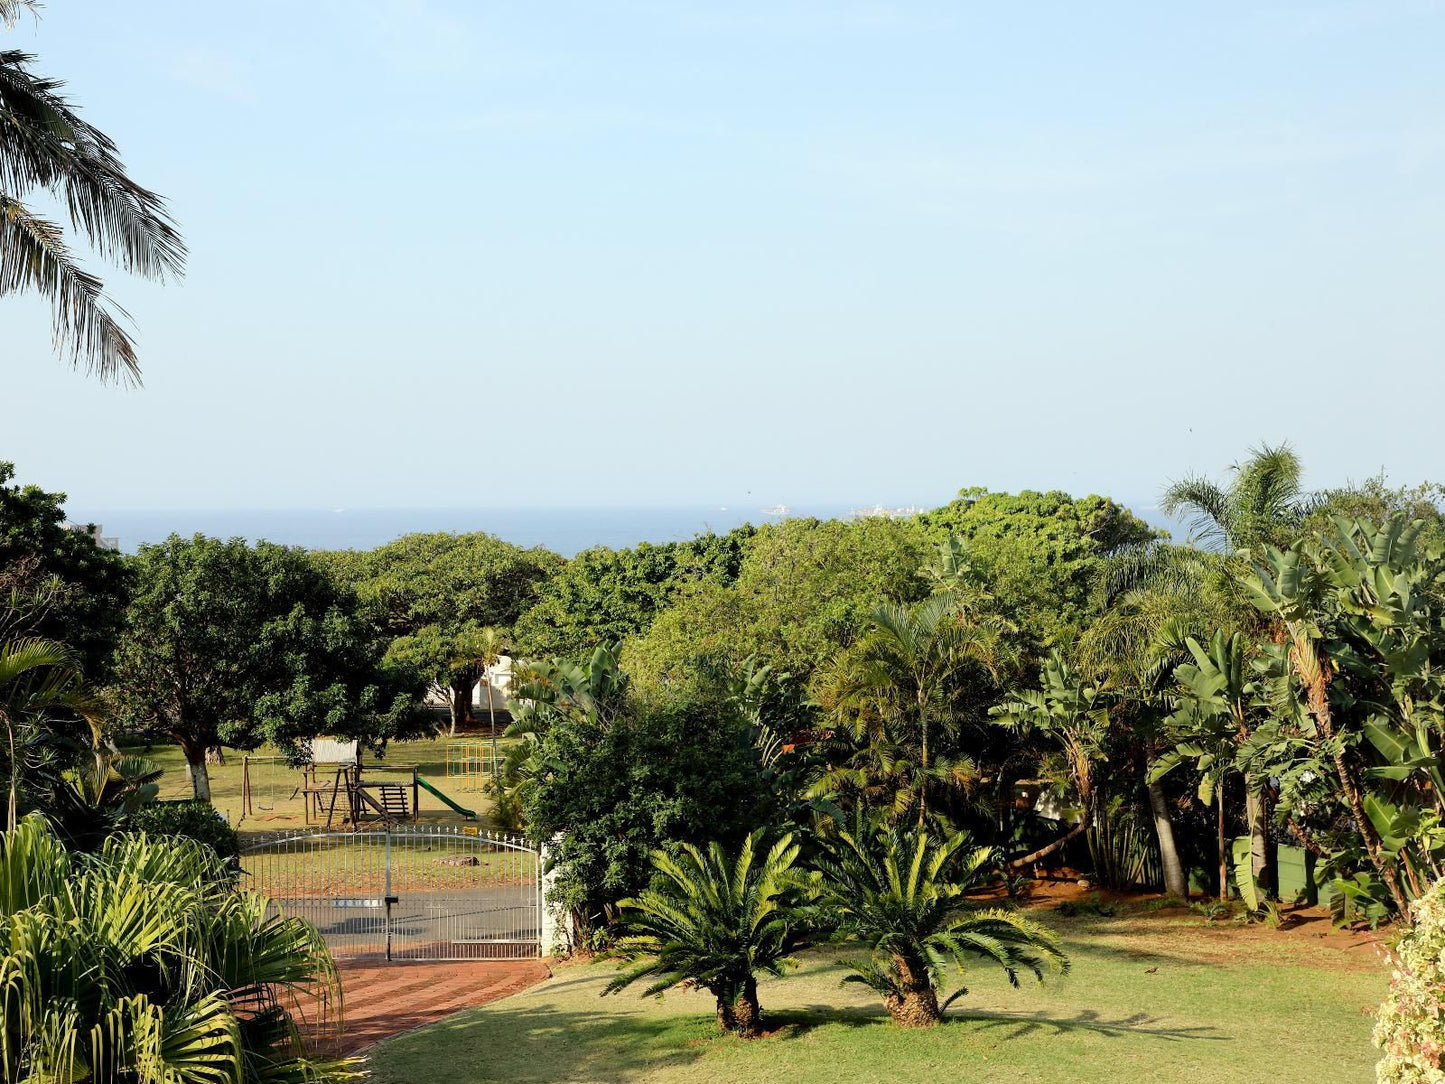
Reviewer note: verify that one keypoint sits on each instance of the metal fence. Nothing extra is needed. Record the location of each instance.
(415, 892)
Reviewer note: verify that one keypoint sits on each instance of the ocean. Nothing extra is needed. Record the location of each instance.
(563, 530)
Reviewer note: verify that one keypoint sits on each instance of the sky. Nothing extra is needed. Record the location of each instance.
(454, 253)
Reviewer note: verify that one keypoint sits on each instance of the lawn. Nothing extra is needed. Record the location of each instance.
(276, 803)
(1156, 997)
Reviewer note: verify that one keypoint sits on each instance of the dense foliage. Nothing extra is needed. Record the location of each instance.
(187, 820)
(804, 588)
(1410, 1026)
(55, 582)
(604, 595)
(232, 644)
(437, 594)
(609, 787)
(142, 963)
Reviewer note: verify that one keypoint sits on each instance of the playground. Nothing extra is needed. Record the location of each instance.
(439, 781)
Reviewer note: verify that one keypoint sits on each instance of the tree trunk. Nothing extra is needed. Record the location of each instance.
(491, 722)
(917, 1008)
(1256, 813)
(747, 1013)
(726, 1018)
(1319, 703)
(215, 755)
(1223, 855)
(461, 704)
(1057, 845)
(1175, 883)
(196, 771)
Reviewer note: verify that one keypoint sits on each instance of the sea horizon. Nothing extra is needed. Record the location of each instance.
(565, 530)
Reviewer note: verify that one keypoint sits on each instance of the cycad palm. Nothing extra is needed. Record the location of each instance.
(45, 148)
(141, 963)
(902, 894)
(718, 921)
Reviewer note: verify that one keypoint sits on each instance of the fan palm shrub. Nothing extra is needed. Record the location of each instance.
(48, 718)
(902, 894)
(141, 963)
(716, 921)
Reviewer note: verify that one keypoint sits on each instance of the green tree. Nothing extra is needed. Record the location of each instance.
(452, 661)
(1151, 598)
(55, 582)
(616, 776)
(901, 691)
(442, 590)
(804, 589)
(1211, 724)
(1040, 554)
(46, 150)
(1264, 502)
(228, 644)
(901, 893)
(603, 595)
(142, 963)
(1355, 696)
(717, 920)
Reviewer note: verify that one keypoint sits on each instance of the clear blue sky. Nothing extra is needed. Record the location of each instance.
(464, 253)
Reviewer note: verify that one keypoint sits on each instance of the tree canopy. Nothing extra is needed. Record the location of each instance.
(230, 644)
(56, 582)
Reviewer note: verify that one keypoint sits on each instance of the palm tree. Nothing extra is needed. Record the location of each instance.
(40, 690)
(143, 963)
(1150, 599)
(717, 921)
(902, 894)
(1264, 504)
(486, 647)
(1263, 501)
(897, 690)
(46, 149)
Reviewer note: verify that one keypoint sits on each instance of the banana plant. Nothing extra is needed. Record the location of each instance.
(1209, 726)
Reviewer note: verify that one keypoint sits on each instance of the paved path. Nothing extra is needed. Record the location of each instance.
(384, 999)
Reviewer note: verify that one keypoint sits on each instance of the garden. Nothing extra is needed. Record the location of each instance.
(1016, 782)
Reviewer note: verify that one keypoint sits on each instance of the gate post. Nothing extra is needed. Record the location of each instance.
(387, 898)
(551, 933)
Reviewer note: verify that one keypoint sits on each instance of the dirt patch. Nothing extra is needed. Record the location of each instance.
(1306, 936)
(386, 999)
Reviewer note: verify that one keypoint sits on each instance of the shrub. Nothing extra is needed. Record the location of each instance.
(141, 964)
(189, 820)
(1410, 1027)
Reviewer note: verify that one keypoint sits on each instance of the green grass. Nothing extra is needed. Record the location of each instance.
(1152, 997)
(274, 802)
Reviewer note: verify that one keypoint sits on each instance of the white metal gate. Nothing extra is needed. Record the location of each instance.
(413, 892)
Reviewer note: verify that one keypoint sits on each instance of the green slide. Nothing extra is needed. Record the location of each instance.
(468, 813)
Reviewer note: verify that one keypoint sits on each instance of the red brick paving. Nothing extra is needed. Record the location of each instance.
(386, 999)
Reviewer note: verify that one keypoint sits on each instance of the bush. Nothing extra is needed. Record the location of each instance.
(1410, 1027)
(682, 772)
(189, 820)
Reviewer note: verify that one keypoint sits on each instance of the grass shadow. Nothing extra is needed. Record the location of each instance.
(1016, 1025)
(544, 1045)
